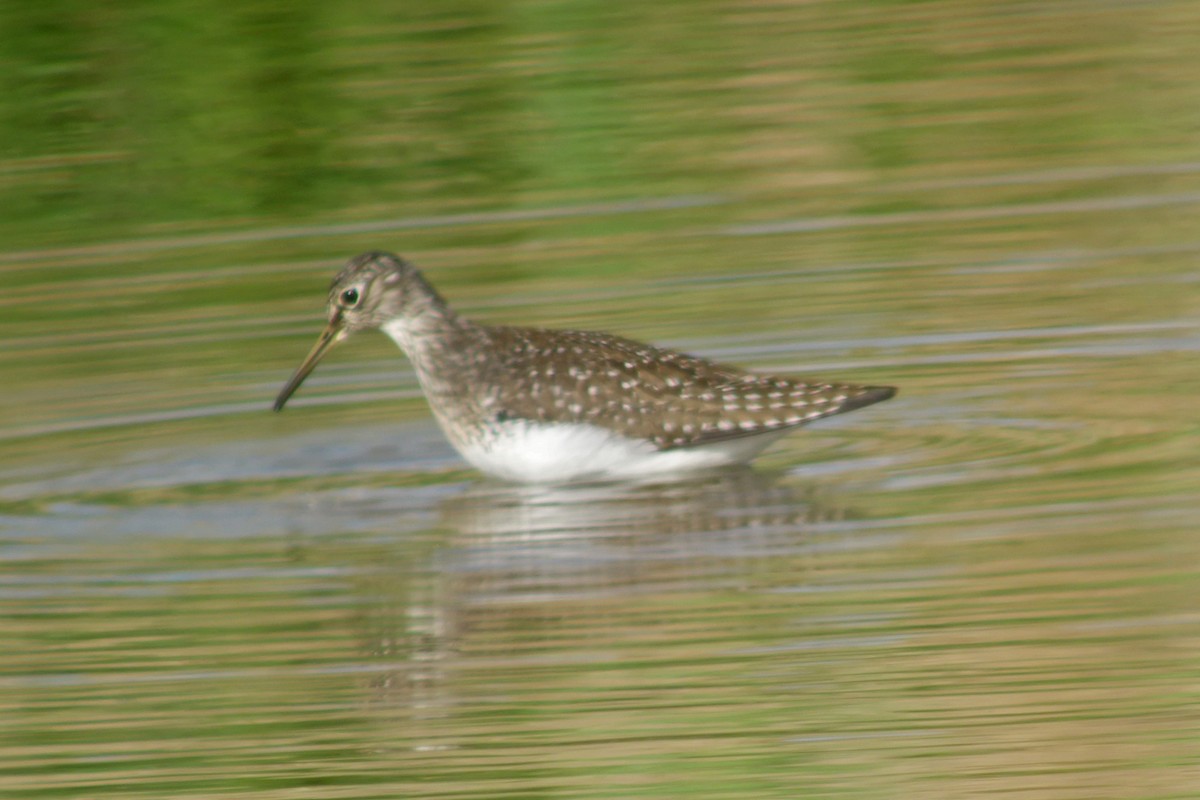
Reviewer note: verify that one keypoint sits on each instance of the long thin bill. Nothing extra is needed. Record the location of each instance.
(329, 337)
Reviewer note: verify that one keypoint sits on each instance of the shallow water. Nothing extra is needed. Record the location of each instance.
(986, 586)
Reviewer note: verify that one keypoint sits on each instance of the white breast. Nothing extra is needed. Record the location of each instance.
(530, 452)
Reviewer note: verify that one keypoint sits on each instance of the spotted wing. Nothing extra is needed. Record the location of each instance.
(672, 399)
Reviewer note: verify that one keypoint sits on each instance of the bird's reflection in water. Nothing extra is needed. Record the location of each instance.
(559, 543)
(531, 577)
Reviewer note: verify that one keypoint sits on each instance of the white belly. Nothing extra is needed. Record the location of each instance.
(529, 452)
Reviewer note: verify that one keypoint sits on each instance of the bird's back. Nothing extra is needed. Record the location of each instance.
(639, 391)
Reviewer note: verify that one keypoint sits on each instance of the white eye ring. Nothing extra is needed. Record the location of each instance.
(349, 298)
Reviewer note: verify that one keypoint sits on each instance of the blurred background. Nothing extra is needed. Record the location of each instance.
(986, 586)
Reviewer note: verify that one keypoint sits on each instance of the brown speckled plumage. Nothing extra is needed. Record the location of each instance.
(671, 399)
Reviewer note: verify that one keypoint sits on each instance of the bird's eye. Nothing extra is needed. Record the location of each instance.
(350, 298)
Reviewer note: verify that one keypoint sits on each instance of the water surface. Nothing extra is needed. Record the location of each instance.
(985, 587)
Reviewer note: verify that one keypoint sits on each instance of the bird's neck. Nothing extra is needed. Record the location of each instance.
(440, 344)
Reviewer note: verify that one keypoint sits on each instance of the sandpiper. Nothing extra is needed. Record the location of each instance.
(554, 406)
